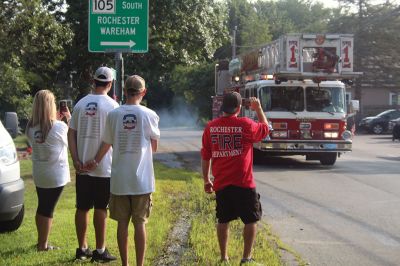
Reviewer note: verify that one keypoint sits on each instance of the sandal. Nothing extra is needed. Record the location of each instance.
(48, 248)
(224, 262)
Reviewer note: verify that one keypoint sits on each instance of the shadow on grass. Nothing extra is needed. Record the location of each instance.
(163, 172)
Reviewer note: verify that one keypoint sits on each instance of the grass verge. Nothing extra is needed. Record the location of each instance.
(177, 190)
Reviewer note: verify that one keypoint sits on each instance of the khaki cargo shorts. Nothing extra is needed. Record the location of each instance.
(135, 207)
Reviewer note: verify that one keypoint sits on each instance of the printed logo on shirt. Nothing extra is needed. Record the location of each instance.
(129, 121)
(38, 136)
(91, 109)
(227, 141)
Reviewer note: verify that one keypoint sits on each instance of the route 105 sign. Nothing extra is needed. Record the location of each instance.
(118, 26)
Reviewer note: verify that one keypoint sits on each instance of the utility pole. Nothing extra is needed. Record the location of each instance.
(234, 43)
(358, 60)
(216, 71)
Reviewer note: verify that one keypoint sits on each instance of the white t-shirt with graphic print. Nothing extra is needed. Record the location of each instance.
(50, 168)
(130, 129)
(89, 120)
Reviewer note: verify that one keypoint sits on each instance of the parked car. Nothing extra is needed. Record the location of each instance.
(380, 123)
(392, 123)
(394, 127)
(11, 185)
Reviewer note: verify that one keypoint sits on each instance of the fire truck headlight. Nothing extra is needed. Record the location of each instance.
(279, 125)
(347, 135)
(279, 134)
(331, 126)
(331, 135)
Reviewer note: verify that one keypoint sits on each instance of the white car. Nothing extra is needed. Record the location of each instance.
(11, 185)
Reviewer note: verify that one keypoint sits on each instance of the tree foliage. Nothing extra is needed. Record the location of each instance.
(42, 40)
(32, 48)
(186, 36)
(180, 33)
(79, 60)
(196, 84)
(289, 16)
(252, 25)
(375, 29)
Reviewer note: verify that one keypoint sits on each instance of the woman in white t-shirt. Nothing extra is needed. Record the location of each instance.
(50, 169)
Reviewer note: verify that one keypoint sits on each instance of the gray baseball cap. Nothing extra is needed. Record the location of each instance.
(104, 74)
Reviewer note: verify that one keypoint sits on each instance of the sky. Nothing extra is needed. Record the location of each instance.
(334, 3)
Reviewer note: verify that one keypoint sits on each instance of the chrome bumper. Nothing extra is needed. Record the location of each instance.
(296, 146)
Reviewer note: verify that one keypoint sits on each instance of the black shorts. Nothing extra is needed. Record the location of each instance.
(234, 202)
(92, 191)
(47, 200)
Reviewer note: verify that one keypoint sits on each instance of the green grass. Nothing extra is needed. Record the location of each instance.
(20, 141)
(176, 190)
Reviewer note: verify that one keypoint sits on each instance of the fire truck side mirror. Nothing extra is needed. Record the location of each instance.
(354, 106)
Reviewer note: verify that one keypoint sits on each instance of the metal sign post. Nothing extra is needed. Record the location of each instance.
(119, 66)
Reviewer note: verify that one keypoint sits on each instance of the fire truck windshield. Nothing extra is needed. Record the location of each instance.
(298, 99)
(325, 99)
(282, 99)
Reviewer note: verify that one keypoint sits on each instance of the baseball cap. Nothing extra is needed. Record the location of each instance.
(104, 74)
(231, 102)
(135, 84)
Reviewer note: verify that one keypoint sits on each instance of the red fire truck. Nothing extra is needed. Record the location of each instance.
(301, 81)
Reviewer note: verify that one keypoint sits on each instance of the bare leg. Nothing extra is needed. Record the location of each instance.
(99, 221)
(81, 223)
(249, 235)
(140, 243)
(122, 236)
(43, 225)
(223, 235)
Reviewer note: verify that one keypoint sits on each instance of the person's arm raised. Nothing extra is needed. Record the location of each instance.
(256, 106)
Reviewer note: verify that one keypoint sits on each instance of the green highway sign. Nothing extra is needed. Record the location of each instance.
(118, 26)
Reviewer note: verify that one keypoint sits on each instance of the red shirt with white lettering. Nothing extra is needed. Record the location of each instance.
(228, 142)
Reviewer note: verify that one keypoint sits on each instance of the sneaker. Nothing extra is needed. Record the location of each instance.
(104, 257)
(83, 255)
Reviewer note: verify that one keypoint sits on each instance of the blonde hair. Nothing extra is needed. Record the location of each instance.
(43, 112)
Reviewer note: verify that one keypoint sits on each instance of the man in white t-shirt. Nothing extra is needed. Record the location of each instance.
(86, 130)
(132, 130)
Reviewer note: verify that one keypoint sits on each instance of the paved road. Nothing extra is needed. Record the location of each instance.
(344, 215)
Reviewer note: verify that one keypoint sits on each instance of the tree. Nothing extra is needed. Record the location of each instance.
(196, 84)
(294, 16)
(78, 59)
(180, 33)
(32, 48)
(252, 26)
(375, 28)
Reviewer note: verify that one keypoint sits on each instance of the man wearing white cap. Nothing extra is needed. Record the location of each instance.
(132, 130)
(86, 130)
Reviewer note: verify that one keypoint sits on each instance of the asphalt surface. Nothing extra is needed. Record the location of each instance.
(342, 215)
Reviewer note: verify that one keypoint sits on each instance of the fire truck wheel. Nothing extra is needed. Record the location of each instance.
(328, 158)
(257, 156)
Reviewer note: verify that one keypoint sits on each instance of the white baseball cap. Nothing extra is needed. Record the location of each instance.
(104, 74)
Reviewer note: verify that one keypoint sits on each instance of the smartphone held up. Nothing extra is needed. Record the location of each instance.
(62, 106)
(246, 102)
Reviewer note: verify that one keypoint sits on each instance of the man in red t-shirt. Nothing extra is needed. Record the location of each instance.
(228, 142)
